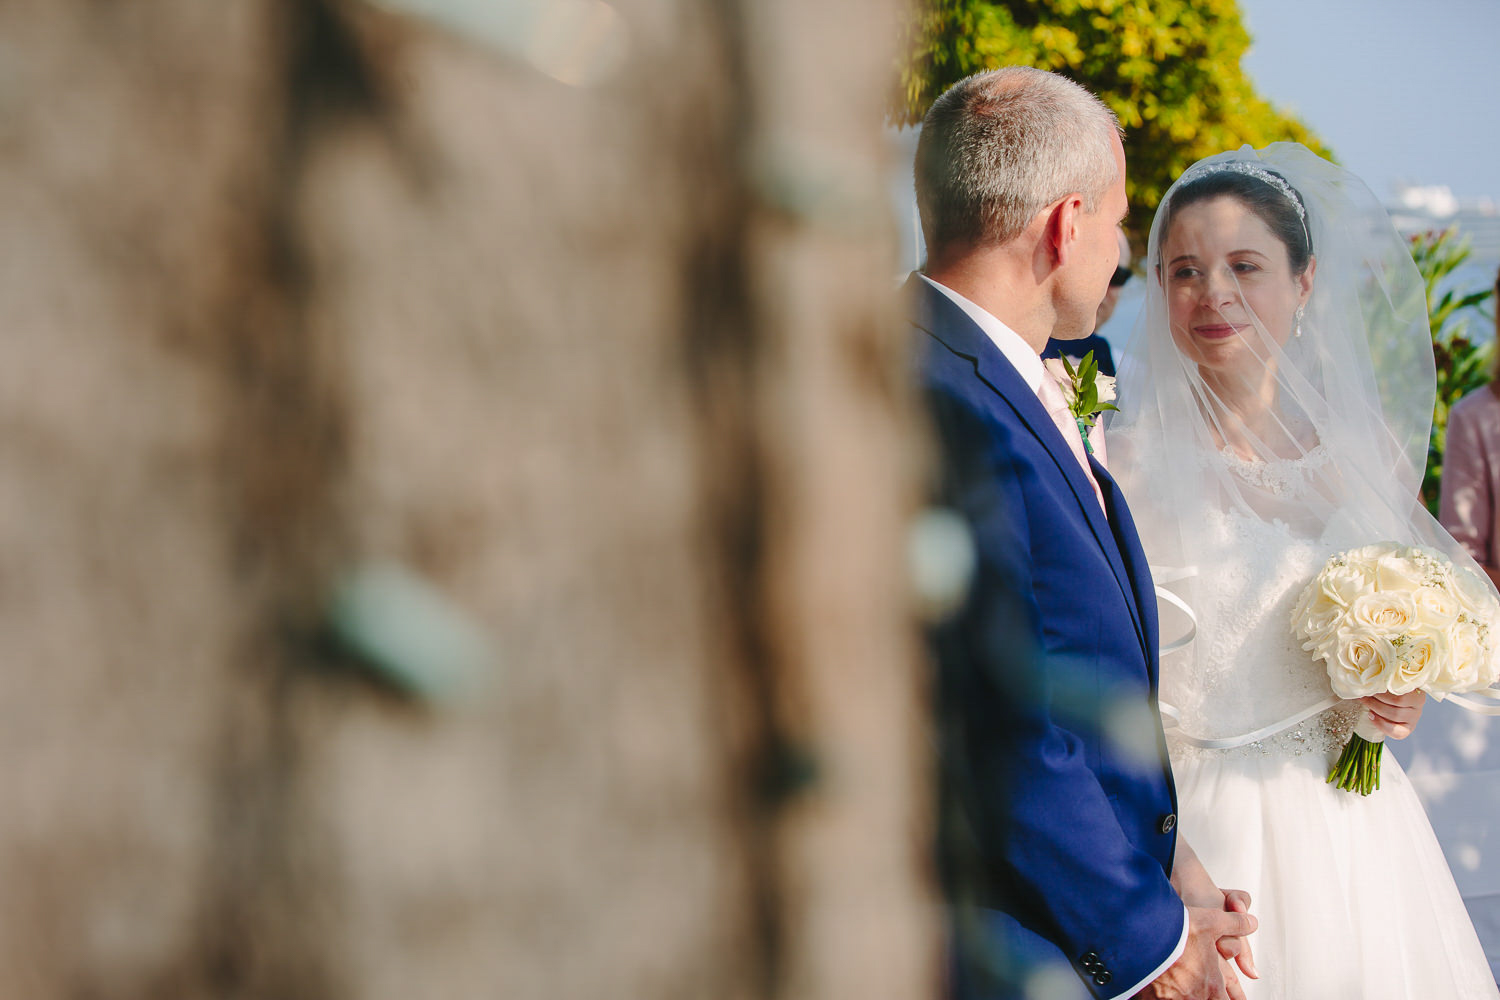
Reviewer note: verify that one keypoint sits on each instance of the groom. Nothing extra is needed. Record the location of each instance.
(1050, 721)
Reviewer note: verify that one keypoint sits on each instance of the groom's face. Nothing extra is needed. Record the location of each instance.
(1097, 253)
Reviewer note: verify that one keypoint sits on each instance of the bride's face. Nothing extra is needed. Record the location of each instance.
(1229, 284)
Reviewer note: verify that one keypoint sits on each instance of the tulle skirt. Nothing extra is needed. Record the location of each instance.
(1354, 897)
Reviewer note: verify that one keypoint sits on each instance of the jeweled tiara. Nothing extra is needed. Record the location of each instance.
(1259, 173)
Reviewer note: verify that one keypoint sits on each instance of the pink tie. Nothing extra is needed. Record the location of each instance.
(1051, 395)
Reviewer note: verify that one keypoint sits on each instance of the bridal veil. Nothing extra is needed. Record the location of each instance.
(1238, 517)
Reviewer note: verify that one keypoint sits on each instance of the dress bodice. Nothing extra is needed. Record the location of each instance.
(1245, 670)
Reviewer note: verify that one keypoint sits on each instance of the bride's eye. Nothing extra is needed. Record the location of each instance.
(1186, 271)
(1244, 267)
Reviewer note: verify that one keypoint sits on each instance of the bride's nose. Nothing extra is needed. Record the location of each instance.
(1221, 288)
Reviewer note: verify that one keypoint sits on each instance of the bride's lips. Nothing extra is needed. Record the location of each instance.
(1216, 331)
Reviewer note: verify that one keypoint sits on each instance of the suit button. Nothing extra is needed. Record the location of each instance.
(1168, 822)
(1102, 977)
(1090, 962)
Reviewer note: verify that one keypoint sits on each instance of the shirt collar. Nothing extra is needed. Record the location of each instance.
(1022, 357)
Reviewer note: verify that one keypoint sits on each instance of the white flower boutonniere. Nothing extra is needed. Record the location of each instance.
(1087, 391)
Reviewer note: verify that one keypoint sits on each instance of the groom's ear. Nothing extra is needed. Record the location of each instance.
(1061, 234)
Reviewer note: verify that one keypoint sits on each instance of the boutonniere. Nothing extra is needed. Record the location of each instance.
(1087, 391)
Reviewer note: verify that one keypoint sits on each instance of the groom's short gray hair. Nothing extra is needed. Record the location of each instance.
(998, 147)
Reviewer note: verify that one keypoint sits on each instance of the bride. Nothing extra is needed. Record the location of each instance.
(1276, 401)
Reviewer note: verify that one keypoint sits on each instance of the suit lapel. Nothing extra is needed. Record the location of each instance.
(943, 320)
(1128, 542)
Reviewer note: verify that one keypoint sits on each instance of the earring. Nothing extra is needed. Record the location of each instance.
(1297, 318)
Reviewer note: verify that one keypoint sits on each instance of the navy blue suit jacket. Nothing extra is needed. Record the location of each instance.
(1048, 674)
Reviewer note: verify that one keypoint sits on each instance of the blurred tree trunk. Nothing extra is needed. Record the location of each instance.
(294, 291)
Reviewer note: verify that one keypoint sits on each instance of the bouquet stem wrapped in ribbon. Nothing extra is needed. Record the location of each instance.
(1396, 618)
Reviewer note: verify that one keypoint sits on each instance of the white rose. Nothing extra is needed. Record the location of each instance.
(1311, 603)
(1306, 601)
(1490, 673)
(1384, 613)
(1419, 656)
(1399, 571)
(1368, 554)
(1342, 584)
(1474, 594)
(1317, 620)
(1361, 664)
(1059, 372)
(1436, 608)
(1321, 606)
(1325, 646)
(1463, 669)
(1106, 386)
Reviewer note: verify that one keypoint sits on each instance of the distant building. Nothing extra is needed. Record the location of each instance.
(1417, 208)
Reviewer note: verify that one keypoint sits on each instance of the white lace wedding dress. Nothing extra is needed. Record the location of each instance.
(1354, 897)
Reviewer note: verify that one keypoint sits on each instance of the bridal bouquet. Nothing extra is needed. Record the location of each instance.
(1396, 618)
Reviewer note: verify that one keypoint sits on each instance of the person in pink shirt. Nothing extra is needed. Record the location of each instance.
(1469, 505)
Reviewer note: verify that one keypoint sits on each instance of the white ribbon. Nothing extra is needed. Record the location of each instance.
(1192, 629)
(1172, 720)
(1474, 706)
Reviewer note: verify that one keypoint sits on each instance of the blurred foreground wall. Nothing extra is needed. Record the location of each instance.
(452, 490)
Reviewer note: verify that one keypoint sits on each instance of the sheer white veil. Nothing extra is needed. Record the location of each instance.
(1334, 461)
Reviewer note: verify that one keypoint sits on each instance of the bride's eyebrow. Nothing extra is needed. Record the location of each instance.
(1231, 253)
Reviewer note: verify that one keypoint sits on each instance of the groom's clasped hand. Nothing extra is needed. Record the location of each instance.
(1219, 926)
(1216, 938)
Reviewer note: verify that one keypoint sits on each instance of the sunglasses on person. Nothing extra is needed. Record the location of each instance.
(1121, 275)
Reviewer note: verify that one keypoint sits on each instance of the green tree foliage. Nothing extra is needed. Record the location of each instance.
(1462, 364)
(1170, 69)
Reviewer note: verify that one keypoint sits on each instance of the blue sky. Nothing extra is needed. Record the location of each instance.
(1400, 91)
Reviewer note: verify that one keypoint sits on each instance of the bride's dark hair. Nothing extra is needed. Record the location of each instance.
(1278, 205)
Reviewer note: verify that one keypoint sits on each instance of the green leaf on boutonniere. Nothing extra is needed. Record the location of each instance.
(1088, 369)
(1081, 384)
